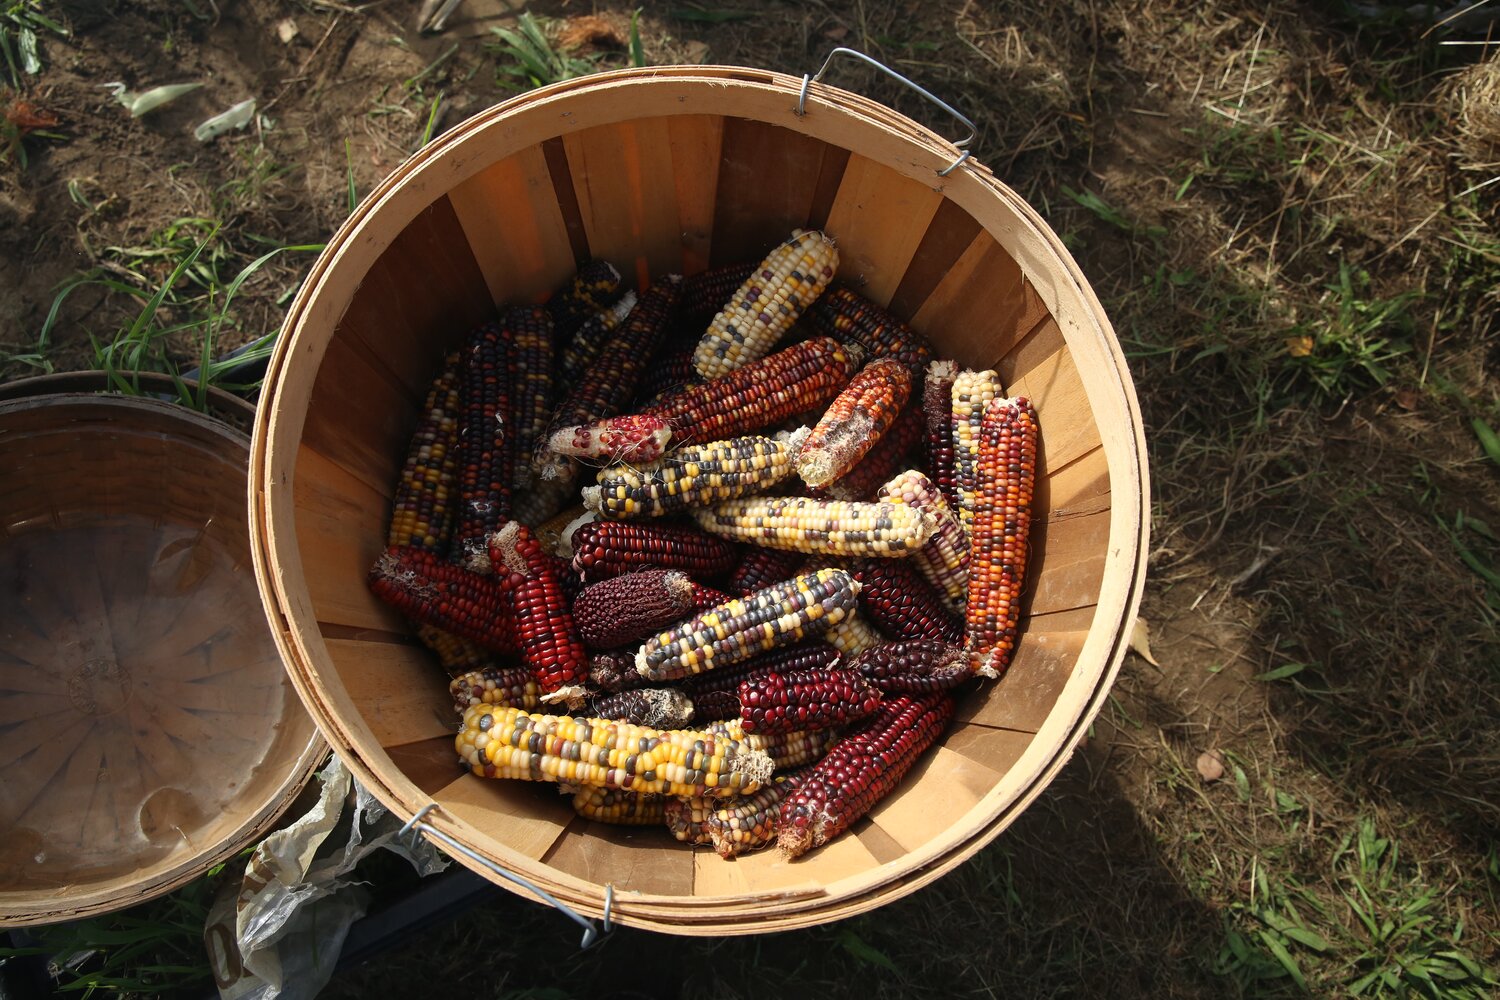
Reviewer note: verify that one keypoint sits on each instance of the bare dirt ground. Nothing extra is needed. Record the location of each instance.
(1286, 209)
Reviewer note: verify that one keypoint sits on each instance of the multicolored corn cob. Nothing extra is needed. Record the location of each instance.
(659, 708)
(733, 826)
(510, 743)
(972, 393)
(915, 666)
(1002, 524)
(853, 636)
(716, 694)
(829, 527)
(763, 567)
(593, 288)
(844, 313)
(944, 560)
(432, 591)
(888, 457)
(694, 475)
(421, 509)
(620, 808)
(898, 600)
(668, 373)
(456, 654)
(786, 750)
(764, 393)
(583, 344)
(779, 615)
(503, 687)
(705, 293)
(859, 771)
(767, 304)
(626, 609)
(633, 439)
(543, 624)
(602, 549)
(540, 500)
(937, 410)
(614, 670)
(529, 332)
(790, 701)
(484, 472)
(858, 418)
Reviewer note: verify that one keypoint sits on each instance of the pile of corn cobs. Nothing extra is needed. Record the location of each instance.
(759, 615)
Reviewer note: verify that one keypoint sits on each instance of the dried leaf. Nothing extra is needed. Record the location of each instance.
(1408, 399)
(1299, 347)
(1140, 642)
(1210, 765)
(590, 29)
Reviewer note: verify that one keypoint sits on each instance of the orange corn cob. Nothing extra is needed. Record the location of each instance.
(1002, 522)
(543, 624)
(844, 313)
(802, 377)
(888, 457)
(858, 418)
(421, 509)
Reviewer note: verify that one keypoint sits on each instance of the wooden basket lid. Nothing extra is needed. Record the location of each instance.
(147, 727)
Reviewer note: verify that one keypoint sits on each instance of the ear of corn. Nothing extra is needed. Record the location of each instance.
(789, 701)
(602, 549)
(627, 609)
(779, 615)
(888, 457)
(828, 527)
(732, 826)
(633, 438)
(620, 808)
(705, 597)
(456, 654)
(786, 750)
(859, 771)
(695, 475)
(707, 292)
(529, 357)
(972, 393)
(763, 567)
(583, 344)
(767, 304)
(915, 667)
(1002, 524)
(594, 287)
(858, 418)
(844, 313)
(659, 708)
(716, 694)
(502, 687)
(937, 410)
(944, 560)
(667, 375)
(853, 636)
(510, 743)
(900, 602)
(764, 393)
(484, 439)
(431, 591)
(614, 670)
(543, 624)
(421, 510)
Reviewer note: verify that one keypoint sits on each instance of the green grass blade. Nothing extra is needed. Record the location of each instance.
(1488, 439)
(637, 51)
(1284, 957)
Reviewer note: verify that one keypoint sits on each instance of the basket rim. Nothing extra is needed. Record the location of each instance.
(432, 171)
(35, 907)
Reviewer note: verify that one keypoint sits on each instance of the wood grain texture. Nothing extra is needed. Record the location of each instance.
(526, 817)
(393, 687)
(948, 235)
(1067, 563)
(878, 220)
(774, 176)
(1065, 419)
(623, 178)
(697, 143)
(943, 786)
(973, 328)
(1045, 659)
(631, 858)
(515, 227)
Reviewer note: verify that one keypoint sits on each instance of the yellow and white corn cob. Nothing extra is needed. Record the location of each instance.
(944, 560)
(621, 808)
(509, 743)
(853, 636)
(827, 527)
(972, 392)
(768, 303)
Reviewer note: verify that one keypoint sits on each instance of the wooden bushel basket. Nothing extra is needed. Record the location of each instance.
(148, 729)
(675, 170)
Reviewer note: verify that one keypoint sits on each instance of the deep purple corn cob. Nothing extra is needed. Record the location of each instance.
(787, 701)
(900, 601)
(602, 549)
(915, 666)
(844, 313)
(484, 473)
(626, 609)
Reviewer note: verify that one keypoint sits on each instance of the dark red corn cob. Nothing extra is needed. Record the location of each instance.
(529, 332)
(544, 625)
(1005, 475)
(431, 591)
(484, 453)
(761, 394)
(763, 567)
(504, 687)
(422, 507)
(888, 457)
(705, 293)
(658, 708)
(844, 313)
(614, 670)
(572, 585)
(629, 608)
(937, 410)
(716, 693)
(602, 549)
(667, 374)
(859, 771)
(708, 597)
(916, 666)
(899, 601)
(593, 288)
(786, 701)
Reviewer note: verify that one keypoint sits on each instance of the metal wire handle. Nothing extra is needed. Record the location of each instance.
(817, 77)
(591, 931)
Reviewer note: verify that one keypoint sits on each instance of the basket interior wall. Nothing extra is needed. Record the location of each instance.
(656, 196)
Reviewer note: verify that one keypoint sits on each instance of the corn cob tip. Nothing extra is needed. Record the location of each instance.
(793, 440)
(565, 540)
(593, 499)
(574, 696)
(942, 369)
